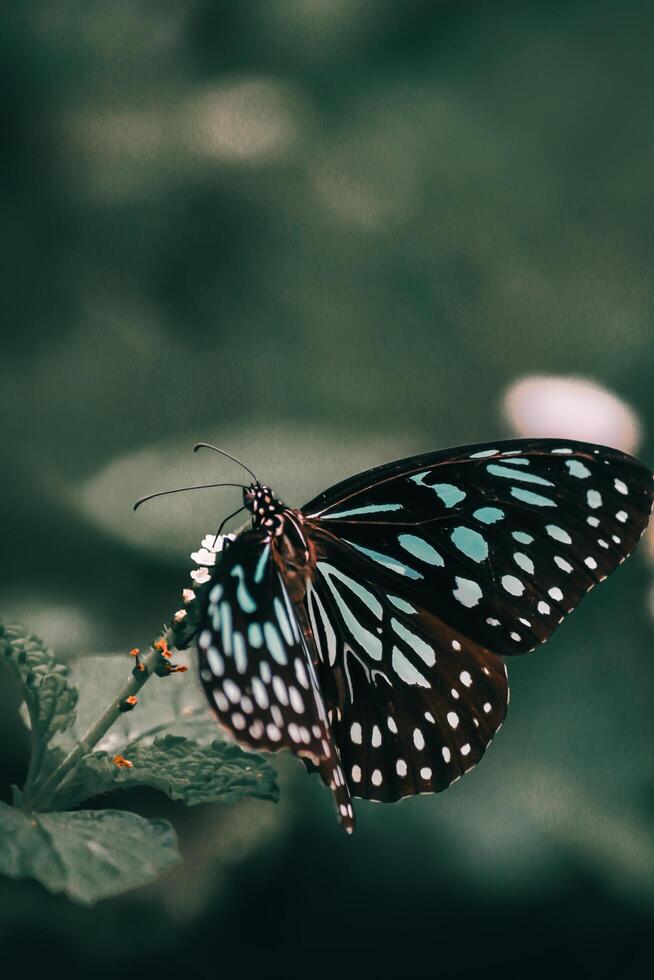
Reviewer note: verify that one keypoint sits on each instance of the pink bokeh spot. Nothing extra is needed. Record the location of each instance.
(551, 406)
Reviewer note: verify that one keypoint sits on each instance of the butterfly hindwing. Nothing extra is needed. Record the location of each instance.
(413, 705)
(255, 665)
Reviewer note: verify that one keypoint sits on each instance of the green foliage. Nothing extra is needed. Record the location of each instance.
(169, 740)
(180, 768)
(50, 697)
(87, 855)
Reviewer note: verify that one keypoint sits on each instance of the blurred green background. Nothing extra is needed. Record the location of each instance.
(323, 233)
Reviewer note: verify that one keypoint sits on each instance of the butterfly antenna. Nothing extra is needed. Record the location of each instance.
(223, 452)
(202, 486)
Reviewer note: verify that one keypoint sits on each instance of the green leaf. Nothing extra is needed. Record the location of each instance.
(51, 698)
(179, 767)
(88, 855)
(49, 695)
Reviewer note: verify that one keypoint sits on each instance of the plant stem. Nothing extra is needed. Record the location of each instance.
(44, 794)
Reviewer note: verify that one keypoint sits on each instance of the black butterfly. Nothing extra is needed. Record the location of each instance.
(367, 630)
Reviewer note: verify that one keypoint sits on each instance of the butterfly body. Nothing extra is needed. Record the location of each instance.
(283, 528)
(367, 630)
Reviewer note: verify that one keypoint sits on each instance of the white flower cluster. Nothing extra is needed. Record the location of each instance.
(205, 557)
(212, 545)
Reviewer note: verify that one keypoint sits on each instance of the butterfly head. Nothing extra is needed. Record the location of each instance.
(262, 504)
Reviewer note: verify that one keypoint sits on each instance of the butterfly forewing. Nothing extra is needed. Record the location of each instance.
(498, 541)
(255, 664)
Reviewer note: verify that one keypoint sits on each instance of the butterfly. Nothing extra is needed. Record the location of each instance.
(368, 630)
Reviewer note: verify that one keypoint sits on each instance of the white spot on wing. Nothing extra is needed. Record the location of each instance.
(260, 693)
(221, 701)
(418, 739)
(274, 643)
(512, 585)
(594, 499)
(215, 662)
(296, 699)
(232, 691)
(279, 687)
(467, 592)
(406, 671)
(577, 468)
(316, 608)
(300, 673)
(417, 644)
(371, 644)
(524, 562)
(558, 533)
(282, 619)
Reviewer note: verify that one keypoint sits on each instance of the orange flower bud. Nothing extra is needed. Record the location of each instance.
(163, 647)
